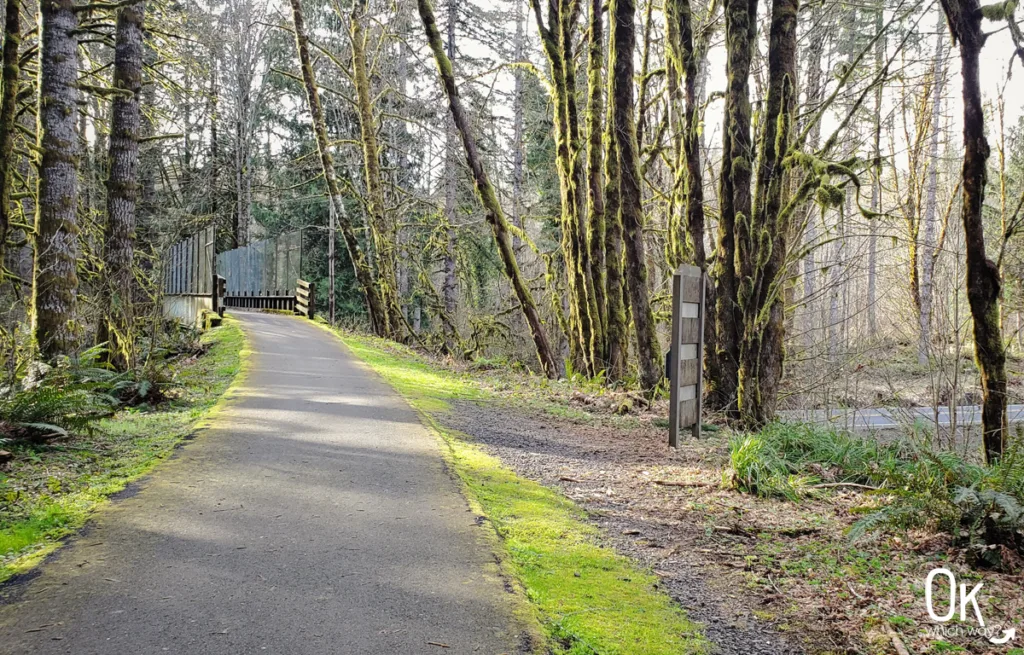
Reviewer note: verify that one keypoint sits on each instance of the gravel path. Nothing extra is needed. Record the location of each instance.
(316, 516)
(605, 472)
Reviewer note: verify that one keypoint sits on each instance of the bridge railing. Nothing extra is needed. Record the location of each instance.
(266, 268)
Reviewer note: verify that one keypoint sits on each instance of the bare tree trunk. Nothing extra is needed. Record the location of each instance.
(489, 199)
(835, 284)
(123, 187)
(518, 146)
(243, 179)
(876, 178)
(214, 140)
(814, 90)
(623, 35)
(930, 199)
(983, 277)
(55, 278)
(355, 253)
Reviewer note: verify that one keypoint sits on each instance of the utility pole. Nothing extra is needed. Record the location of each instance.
(330, 264)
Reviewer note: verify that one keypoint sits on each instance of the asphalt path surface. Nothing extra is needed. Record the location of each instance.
(314, 516)
(892, 418)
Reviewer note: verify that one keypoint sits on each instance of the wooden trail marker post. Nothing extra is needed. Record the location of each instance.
(686, 354)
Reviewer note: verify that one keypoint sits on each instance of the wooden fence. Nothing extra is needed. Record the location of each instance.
(189, 277)
(189, 265)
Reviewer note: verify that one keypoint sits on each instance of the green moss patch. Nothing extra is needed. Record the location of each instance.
(50, 491)
(589, 598)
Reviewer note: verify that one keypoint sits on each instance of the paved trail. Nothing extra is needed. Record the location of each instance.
(883, 418)
(314, 517)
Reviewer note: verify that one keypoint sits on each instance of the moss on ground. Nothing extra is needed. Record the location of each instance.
(51, 491)
(589, 599)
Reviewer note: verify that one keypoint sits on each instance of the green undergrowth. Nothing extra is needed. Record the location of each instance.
(50, 490)
(588, 598)
(908, 483)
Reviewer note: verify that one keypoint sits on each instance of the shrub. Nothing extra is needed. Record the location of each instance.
(982, 507)
(49, 409)
(758, 468)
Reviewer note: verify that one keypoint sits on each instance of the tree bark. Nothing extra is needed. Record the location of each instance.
(214, 140)
(382, 226)
(123, 187)
(983, 276)
(876, 177)
(761, 239)
(449, 284)
(931, 200)
(735, 200)
(595, 182)
(618, 322)
(623, 36)
(518, 110)
(814, 90)
(558, 39)
(361, 268)
(488, 197)
(687, 237)
(55, 278)
(8, 112)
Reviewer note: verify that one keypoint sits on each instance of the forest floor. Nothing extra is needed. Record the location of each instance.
(48, 491)
(763, 576)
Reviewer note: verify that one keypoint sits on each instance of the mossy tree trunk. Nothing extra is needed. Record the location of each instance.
(623, 37)
(55, 278)
(123, 187)
(983, 276)
(8, 112)
(683, 63)
(494, 215)
(686, 213)
(558, 36)
(761, 235)
(615, 290)
(595, 181)
(450, 281)
(735, 199)
(382, 225)
(360, 266)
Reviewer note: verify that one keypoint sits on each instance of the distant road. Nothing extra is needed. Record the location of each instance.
(887, 418)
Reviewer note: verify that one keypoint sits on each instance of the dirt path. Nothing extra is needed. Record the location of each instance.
(314, 517)
(614, 479)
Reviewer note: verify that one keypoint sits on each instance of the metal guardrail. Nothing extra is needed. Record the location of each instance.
(244, 301)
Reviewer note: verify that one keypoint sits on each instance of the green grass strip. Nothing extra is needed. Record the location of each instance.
(78, 480)
(590, 599)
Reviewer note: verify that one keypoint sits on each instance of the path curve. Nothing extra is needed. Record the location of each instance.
(314, 516)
